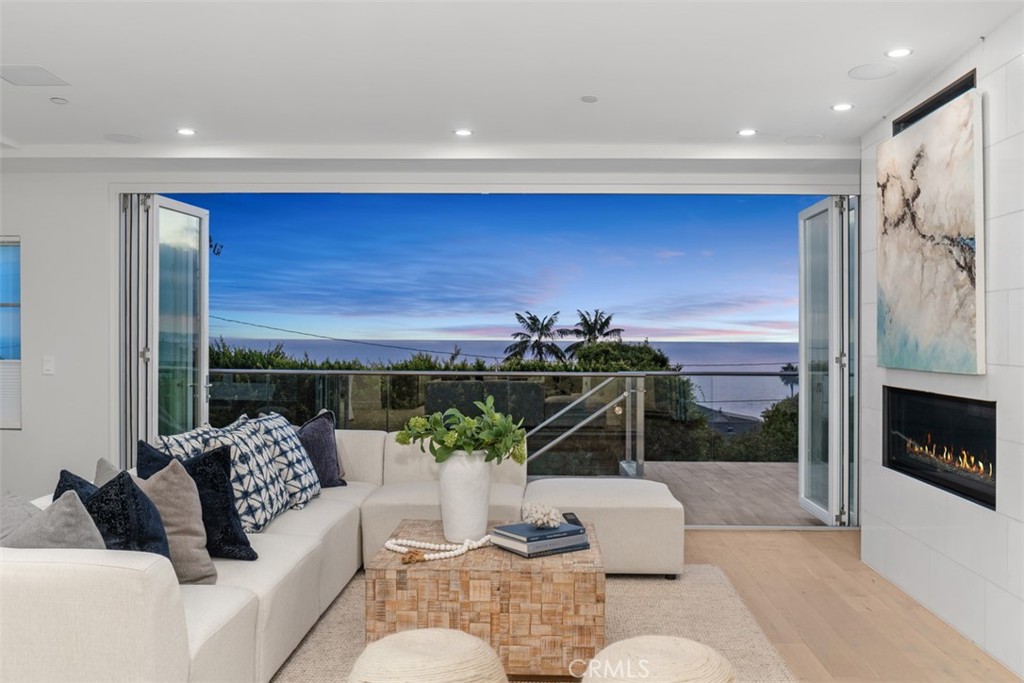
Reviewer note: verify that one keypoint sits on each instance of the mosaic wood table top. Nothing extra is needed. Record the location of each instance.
(539, 614)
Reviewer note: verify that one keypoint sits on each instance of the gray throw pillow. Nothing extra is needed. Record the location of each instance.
(64, 524)
(174, 493)
(105, 471)
(14, 512)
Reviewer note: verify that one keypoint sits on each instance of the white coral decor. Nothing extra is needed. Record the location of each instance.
(541, 515)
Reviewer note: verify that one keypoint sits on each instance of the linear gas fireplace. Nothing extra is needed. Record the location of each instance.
(946, 441)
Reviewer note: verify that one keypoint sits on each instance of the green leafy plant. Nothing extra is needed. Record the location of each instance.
(444, 433)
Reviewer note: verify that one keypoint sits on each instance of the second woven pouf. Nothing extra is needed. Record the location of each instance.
(428, 655)
(659, 659)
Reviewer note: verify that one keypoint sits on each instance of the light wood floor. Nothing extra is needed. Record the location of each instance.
(832, 617)
(734, 493)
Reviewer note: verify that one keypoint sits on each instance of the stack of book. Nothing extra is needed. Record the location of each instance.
(530, 541)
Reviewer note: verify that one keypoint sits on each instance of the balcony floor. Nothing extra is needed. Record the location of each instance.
(734, 493)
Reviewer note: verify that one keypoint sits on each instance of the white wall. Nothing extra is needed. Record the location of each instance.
(960, 560)
(68, 226)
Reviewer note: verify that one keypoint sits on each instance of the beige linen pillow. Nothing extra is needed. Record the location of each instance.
(176, 497)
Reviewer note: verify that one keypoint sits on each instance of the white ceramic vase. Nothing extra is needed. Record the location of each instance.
(465, 480)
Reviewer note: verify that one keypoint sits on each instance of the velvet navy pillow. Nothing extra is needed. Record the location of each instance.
(317, 437)
(211, 471)
(125, 517)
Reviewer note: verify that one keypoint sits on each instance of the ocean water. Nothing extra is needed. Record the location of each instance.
(740, 395)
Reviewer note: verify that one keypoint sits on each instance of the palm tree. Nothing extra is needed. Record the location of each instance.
(538, 337)
(591, 329)
(789, 380)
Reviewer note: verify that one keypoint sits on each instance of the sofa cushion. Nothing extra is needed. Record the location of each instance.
(360, 454)
(260, 493)
(64, 524)
(405, 463)
(285, 581)
(638, 523)
(291, 459)
(355, 492)
(317, 437)
(211, 473)
(125, 517)
(335, 524)
(221, 623)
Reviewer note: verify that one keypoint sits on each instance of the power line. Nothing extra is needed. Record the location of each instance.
(348, 341)
(431, 352)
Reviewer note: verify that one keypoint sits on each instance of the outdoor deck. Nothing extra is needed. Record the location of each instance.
(734, 493)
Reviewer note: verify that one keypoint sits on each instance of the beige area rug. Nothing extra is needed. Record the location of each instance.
(701, 605)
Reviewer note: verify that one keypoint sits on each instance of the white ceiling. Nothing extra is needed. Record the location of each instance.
(387, 81)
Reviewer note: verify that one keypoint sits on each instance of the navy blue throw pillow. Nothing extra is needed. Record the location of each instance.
(126, 518)
(211, 471)
(317, 437)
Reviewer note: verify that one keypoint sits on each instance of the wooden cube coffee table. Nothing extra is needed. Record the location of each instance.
(539, 614)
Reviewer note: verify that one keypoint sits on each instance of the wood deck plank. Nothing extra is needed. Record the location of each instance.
(734, 493)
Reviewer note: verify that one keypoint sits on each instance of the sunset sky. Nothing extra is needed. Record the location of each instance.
(459, 266)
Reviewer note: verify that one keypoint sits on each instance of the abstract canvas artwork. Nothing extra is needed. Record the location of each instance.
(931, 283)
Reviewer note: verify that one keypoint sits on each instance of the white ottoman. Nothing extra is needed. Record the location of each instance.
(639, 523)
(428, 655)
(659, 659)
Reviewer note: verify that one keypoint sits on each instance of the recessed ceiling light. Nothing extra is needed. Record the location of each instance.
(842, 106)
(898, 52)
(186, 131)
(59, 100)
(747, 132)
(589, 99)
(463, 132)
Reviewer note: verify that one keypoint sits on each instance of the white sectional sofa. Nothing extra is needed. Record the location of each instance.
(91, 615)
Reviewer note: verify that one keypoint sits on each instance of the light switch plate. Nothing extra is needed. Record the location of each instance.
(49, 365)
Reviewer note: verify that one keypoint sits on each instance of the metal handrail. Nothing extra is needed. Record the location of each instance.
(569, 407)
(572, 430)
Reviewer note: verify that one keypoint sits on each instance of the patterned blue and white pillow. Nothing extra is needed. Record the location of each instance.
(290, 458)
(187, 444)
(260, 494)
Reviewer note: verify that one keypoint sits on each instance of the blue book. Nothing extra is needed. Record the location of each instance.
(583, 545)
(528, 533)
(534, 547)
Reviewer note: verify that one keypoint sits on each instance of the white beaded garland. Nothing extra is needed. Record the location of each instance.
(442, 551)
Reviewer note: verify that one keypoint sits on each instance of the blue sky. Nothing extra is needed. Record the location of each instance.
(459, 266)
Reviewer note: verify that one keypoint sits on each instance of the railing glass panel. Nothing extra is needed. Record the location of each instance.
(632, 416)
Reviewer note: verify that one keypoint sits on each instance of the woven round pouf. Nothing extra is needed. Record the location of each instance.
(659, 659)
(428, 655)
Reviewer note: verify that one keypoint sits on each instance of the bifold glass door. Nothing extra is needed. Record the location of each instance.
(180, 358)
(827, 304)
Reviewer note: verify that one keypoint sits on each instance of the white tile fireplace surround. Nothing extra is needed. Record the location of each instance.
(959, 559)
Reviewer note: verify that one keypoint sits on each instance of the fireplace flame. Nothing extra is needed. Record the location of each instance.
(962, 461)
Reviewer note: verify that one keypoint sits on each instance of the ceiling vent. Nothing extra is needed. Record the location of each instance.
(30, 75)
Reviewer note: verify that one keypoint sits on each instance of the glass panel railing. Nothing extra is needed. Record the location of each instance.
(729, 417)
(385, 401)
(585, 424)
(297, 396)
